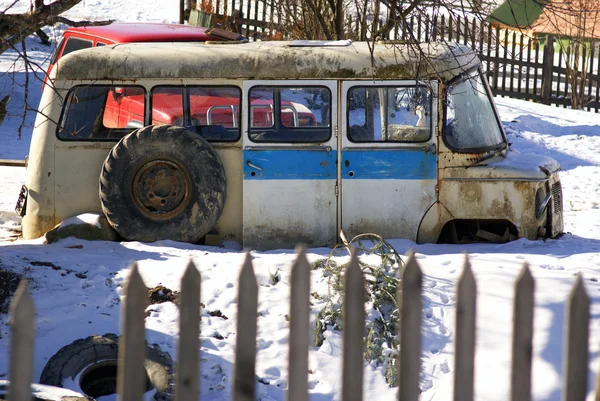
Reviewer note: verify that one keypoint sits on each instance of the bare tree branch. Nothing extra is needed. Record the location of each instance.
(14, 28)
(319, 15)
(26, 94)
(53, 20)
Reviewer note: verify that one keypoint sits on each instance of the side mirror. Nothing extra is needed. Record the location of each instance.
(117, 93)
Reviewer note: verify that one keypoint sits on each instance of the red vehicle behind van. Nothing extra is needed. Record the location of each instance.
(78, 38)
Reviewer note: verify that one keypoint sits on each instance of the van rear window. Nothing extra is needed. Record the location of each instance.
(101, 112)
(210, 111)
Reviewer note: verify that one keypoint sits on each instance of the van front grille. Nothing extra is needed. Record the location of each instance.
(557, 196)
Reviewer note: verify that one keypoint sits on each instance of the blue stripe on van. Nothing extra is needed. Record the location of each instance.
(405, 164)
(290, 164)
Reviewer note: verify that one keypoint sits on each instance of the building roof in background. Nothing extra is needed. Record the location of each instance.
(570, 18)
(517, 13)
(575, 18)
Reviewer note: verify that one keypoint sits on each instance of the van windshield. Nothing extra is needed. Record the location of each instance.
(471, 123)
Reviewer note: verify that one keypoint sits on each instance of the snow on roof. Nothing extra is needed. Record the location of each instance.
(267, 60)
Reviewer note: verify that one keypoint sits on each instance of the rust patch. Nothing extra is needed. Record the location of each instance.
(522, 186)
(470, 192)
(502, 208)
(526, 192)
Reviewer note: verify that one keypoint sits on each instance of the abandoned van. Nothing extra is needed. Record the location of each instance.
(274, 143)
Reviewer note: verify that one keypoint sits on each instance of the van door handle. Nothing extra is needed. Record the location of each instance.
(252, 165)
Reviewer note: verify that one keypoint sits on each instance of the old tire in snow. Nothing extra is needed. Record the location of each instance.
(162, 182)
(42, 392)
(89, 366)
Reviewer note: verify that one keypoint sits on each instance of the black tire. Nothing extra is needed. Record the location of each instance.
(162, 182)
(95, 359)
(40, 392)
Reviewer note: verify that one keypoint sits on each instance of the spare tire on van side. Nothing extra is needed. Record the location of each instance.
(162, 182)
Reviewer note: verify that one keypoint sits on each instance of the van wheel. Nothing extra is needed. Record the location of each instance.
(89, 366)
(162, 182)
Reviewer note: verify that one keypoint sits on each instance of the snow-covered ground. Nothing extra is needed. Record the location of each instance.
(80, 295)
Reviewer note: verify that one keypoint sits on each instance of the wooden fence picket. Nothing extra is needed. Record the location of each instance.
(519, 66)
(299, 328)
(512, 60)
(22, 337)
(354, 329)
(244, 379)
(528, 70)
(188, 349)
(464, 343)
(576, 343)
(132, 347)
(590, 72)
(522, 340)
(410, 331)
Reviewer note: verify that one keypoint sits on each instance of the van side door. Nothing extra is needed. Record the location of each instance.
(289, 168)
(388, 156)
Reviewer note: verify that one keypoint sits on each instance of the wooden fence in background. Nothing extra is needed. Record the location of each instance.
(517, 65)
(130, 381)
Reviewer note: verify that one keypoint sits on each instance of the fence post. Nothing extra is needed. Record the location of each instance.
(189, 335)
(22, 327)
(238, 16)
(548, 64)
(354, 327)
(466, 312)
(520, 382)
(132, 345)
(244, 377)
(575, 360)
(299, 328)
(410, 330)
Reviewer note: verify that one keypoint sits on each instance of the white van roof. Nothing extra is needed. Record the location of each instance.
(268, 60)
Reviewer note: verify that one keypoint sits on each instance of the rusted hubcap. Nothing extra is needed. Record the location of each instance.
(161, 189)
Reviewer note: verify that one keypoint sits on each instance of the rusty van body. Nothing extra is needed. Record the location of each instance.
(305, 139)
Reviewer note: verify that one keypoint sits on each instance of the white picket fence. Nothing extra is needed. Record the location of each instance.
(130, 381)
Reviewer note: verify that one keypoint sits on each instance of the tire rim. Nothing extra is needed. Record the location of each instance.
(161, 189)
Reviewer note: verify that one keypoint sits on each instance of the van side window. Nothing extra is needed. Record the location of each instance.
(76, 44)
(100, 112)
(211, 111)
(389, 114)
(289, 114)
